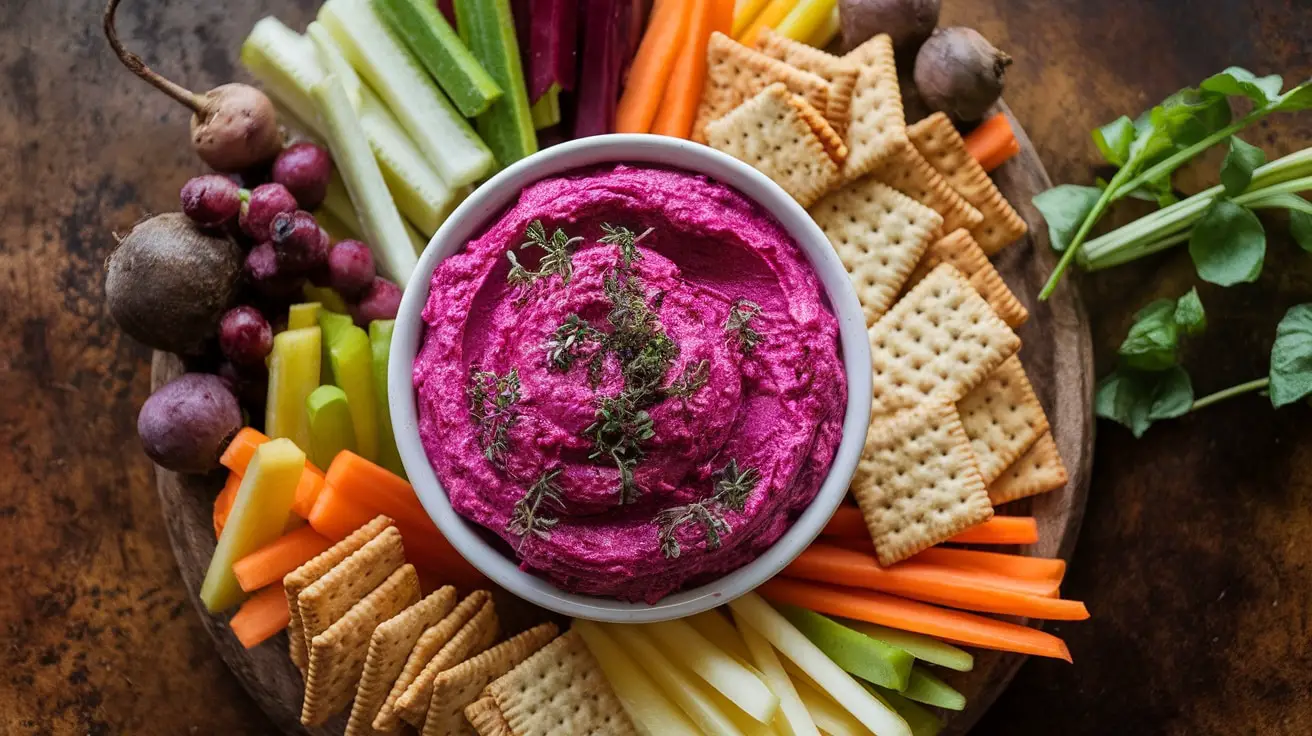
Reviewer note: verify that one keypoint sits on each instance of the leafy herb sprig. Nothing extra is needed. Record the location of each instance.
(738, 324)
(556, 257)
(732, 489)
(492, 406)
(532, 513)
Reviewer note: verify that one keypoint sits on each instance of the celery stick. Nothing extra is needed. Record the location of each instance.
(855, 652)
(924, 648)
(437, 128)
(546, 111)
(329, 299)
(331, 430)
(924, 687)
(286, 65)
(351, 358)
(380, 343)
(364, 182)
(488, 28)
(432, 40)
(302, 315)
(420, 193)
(293, 374)
(333, 61)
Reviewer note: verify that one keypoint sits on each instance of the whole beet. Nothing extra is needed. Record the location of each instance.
(304, 169)
(907, 22)
(960, 73)
(187, 423)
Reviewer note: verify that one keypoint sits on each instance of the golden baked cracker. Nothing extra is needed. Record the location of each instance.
(908, 172)
(302, 577)
(462, 684)
(560, 690)
(960, 249)
(476, 635)
(486, 718)
(876, 127)
(337, 656)
(840, 73)
(937, 342)
(828, 137)
(1039, 470)
(329, 598)
(938, 141)
(879, 234)
(389, 647)
(426, 647)
(769, 133)
(916, 482)
(735, 73)
(1003, 418)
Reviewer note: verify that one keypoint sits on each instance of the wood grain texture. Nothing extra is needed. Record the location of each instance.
(1193, 557)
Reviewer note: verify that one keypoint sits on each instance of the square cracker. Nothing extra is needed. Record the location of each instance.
(302, 577)
(487, 719)
(938, 342)
(770, 133)
(735, 72)
(916, 482)
(839, 72)
(877, 126)
(908, 172)
(1039, 470)
(329, 598)
(960, 249)
(476, 635)
(389, 647)
(462, 684)
(1003, 418)
(879, 234)
(559, 690)
(425, 648)
(937, 139)
(337, 656)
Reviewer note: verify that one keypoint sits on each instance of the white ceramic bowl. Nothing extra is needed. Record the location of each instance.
(487, 202)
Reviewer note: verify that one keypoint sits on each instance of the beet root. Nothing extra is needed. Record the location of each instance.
(187, 423)
(907, 22)
(960, 73)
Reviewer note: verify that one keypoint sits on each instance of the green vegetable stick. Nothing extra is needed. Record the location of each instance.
(336, 229)
(351, 359)
(332, 61)
(434, 42)
(286, 65)
(924, 648)
(488, 28)
(920, 720)
(855, 652)
(420, 194)
(924, 687)
(293, 374)
(302, 315)
(329, 299)
(380, 341)
(331, 430)
(546, 111)
(338, 202)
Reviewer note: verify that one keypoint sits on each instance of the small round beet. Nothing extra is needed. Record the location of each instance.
(304, 169)
(187, 423)
(245, 336)
(210, 200)
(265, 203)
(265, 274)
(350, 268)
(380, 301)
(298, 240)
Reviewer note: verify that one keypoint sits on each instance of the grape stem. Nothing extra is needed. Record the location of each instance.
(193, 101)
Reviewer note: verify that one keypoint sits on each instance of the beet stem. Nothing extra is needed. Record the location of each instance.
(139, 68)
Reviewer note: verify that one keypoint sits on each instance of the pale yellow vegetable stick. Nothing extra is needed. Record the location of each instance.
(744, 12)
(827, 31)
(793, 715)
(293, 374)
(770, 17)
(828, 715)
(737, 682)
(716, 626)
(748, 725)
(806, 19)
(651, 711)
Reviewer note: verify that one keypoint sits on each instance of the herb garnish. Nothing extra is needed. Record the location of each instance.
(492, 401)
(530, 513)
(731, 491)
(556, 257)
(693, 378)
(738, 324)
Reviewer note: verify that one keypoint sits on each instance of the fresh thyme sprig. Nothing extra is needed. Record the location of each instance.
(492, 401)
(732, 488)
(738, 325)
(556, 257)
(693, 378)
(530, 514)
(568, 342)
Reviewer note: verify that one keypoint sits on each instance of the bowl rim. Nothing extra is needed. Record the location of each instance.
(487, 202)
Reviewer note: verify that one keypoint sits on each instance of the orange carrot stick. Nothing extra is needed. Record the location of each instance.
(223, 502)
(652, 65)
(922, 618)
(270, 563)
(237, 455)
(1001, 530)
(992, 142)
(377, 487)
(847, 521)
(1013, 566)
(261, 616)
(307, 491)
(775, 12)
(931, 584)
(683, 93)
(1048, 588)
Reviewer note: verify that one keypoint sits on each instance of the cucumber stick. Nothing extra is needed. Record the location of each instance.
(488, 29)
(351, 358)
(331, 430)
(380, 344)
(382, 224)
(437, 46)
(332, 61)
(437, 128)
(419, 192)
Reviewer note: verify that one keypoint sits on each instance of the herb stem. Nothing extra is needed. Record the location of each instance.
(1257, 385)
(1169, 164)
(1077, 242)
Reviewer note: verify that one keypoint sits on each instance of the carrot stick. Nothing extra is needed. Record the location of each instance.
(378, 488)
(921, 618)
(1012, 566)
(261, 616)
(847, 521)
(931, 584)
(270, 563)
(684, 92)
(1047, 588)
(223, 502)
(237, 455)
(307, 491)
(775, 12)
(992, 142)
(652, 65)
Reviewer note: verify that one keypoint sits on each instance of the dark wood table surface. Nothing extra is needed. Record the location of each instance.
(1196, 553)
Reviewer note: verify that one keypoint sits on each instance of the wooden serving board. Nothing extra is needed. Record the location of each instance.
(1058, 356)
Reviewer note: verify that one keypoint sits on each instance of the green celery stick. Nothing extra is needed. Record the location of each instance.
(329, 299)
(434, 42)
(853, 651)
(920, 719)
(380, 340)
(546, 111)
(293, 374)
(924, 687)
(301, 315)
(331, 428)
(351, 358)
(924, 648)
(488, 28)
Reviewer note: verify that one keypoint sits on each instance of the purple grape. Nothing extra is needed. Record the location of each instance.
(187, 423)
(210, 200)
(380, 301)
(350, 268)
(263, 272)
(245, 336)
(298, 240)
(304, 169)
(265, 203)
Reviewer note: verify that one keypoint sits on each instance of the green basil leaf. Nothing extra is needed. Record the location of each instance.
(1291, 357)
(1189, 314)
(1237, 169)
(1228, 245)
(1114, 139)
(1239, 82)
(1065, 208)
(1300, 226)
(1135, 399)
(1298, 98)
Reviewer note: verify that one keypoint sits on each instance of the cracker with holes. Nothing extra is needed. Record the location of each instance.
(560, 690)
(879, 235)
(327, 599)
(908, 172)
(916, 482)
(877, 126)
(1039, 470)
(461, 685)
(937, 343)
(840, 73)
(487, 719)
(1003, 418)
(773, 133)
(476, 635)
(938, 141)
(960, 249)
(735, 73)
